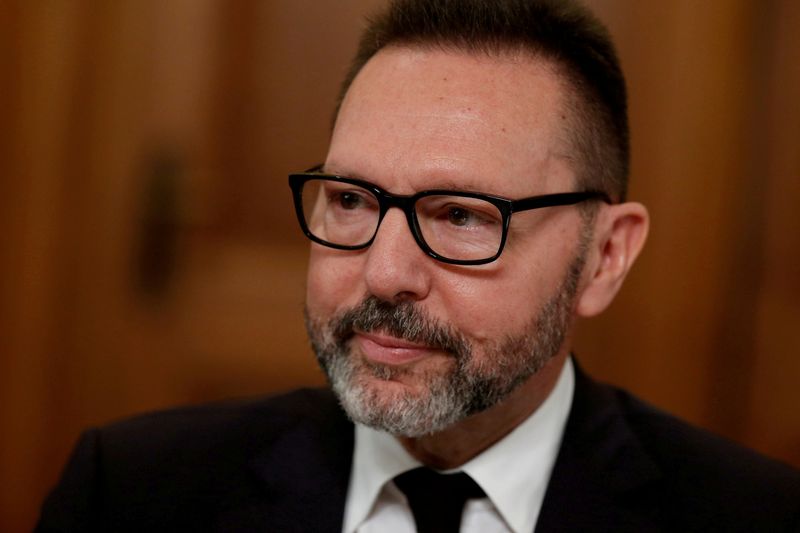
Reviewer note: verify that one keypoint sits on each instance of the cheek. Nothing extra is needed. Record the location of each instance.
(491, 307)
(492, 303)
(333, 282)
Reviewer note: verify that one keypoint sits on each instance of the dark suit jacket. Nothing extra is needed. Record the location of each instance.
(283, 465)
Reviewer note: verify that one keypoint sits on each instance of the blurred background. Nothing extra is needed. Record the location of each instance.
(150, 256)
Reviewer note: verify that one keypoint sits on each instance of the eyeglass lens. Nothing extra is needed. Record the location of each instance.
(454, 227)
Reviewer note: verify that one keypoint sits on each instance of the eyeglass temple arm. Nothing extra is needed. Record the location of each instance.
(552, 200)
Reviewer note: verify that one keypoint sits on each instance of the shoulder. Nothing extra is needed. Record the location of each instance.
(181, 467)
(710, 478)
(684, 449)
(638, 468)
(312, 405)
(244, 425)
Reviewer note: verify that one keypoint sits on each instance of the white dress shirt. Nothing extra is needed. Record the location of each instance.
(514, 473)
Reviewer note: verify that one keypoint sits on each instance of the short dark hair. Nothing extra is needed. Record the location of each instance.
(561, 31)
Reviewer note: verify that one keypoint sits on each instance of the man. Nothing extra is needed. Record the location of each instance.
(470, 209)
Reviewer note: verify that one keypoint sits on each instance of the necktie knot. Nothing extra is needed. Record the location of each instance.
(437, 500)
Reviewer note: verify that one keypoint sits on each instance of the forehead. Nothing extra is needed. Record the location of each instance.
(419, 118)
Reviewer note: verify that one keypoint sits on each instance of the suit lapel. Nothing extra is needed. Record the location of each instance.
(600, 464)
(300, 481)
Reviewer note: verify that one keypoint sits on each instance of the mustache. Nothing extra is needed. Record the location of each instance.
(404, 320)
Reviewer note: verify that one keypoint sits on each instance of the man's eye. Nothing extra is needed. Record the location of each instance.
(459, 216)
(348, 200)
(464, 217)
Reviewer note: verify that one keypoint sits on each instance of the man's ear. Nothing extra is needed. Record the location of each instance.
(620, 233)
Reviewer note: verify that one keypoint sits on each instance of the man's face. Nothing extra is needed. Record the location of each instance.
(412, 345)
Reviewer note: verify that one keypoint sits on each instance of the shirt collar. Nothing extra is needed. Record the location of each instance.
(378, 457)
(514, 472)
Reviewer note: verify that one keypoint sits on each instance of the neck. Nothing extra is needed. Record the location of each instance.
(461, 442)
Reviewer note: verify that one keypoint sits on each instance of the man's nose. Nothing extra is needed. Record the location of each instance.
(397, 269)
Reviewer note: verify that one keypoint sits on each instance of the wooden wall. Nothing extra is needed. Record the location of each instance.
(150, 257)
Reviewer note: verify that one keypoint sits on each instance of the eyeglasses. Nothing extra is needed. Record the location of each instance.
(455, 227)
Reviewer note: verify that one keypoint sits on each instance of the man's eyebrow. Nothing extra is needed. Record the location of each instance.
(434, 183)
(451, 184)
(353, 175)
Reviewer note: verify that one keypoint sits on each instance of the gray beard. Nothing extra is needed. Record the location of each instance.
(470, 386)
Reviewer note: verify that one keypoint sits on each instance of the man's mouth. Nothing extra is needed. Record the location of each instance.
(386, 349)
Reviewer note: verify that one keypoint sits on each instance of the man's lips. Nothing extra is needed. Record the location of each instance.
(386, 349)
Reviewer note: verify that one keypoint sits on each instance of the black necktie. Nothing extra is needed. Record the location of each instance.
(437, 500)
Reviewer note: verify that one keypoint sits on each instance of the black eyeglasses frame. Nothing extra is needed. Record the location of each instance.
(405, 203)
